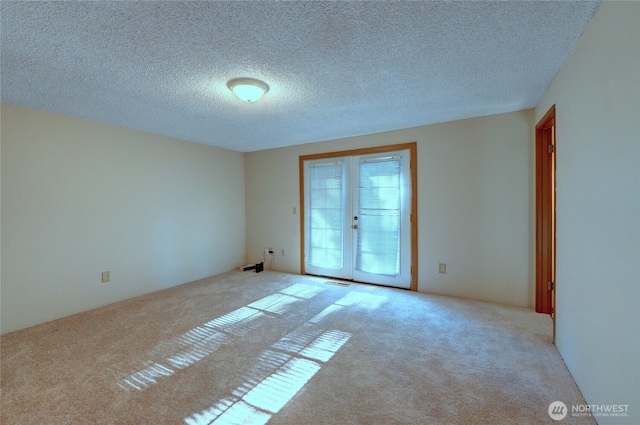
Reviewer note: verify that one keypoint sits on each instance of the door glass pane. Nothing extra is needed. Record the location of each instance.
(378, 237)
(326, 209)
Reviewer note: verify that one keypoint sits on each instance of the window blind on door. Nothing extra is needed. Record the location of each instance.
(326, 209)
(379, 200)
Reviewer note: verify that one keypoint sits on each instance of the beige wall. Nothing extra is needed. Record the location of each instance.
(597, 97)
(474, 204)
(79, 198)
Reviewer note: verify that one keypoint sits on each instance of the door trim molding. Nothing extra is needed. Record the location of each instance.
(413, 149)
(545, 213)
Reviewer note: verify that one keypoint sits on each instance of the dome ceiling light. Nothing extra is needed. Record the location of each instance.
(248, 89)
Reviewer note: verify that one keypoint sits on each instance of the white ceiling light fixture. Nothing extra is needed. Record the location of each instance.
(248, 89)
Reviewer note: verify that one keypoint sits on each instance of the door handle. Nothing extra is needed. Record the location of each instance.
(355, 226)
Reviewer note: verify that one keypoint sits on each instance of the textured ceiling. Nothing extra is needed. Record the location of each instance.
(335, 69)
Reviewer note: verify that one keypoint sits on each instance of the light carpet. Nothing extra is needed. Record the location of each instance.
(247, 348)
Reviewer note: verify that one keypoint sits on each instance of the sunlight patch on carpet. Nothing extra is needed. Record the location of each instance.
(314, 344)
(303, 290)
(333, 308)
(200, 342)
(145, 377)
(275, 378)
(276, 303)
(239, 322)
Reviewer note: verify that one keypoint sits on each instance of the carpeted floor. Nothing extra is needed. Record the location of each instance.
(247, 348)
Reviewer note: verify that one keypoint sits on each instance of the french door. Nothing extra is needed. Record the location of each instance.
(357, 217)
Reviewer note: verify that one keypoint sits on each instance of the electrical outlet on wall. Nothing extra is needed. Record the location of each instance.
(106, 277)
(442, 268)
